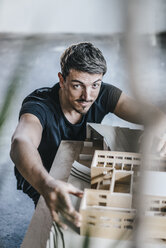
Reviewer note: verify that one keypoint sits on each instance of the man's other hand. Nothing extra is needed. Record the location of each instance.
(156, 143)
(162, 146)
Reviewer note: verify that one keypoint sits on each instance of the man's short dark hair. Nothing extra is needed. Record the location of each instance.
(83, 57)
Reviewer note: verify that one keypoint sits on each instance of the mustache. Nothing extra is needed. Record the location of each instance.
(83, 100)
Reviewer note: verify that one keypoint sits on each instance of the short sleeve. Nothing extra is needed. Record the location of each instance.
(114, 94)
(35, 108)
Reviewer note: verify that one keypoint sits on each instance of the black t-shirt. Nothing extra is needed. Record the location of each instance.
(45, 105)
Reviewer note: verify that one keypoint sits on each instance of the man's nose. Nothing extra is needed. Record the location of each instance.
(86, 94)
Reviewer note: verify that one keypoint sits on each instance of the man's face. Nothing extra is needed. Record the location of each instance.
(80, 89)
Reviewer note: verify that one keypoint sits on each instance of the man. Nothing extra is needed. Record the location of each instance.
(49, 115)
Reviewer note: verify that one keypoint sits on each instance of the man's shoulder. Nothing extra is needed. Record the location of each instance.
(106, 88)
(44, 94)
(41, 103)
(108, 97)
(107, 85)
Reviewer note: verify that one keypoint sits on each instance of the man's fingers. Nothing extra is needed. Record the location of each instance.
(57, 220)
(65, 201)
(73, 217)
(160, 145)
(59, 201)
(163, 150)
(67, 209)
(79, 194)
(140, 139)
(74, 191)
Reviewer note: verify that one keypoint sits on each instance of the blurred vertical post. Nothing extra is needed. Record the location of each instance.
(143, 21)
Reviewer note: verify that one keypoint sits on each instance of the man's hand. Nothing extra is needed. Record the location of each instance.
(56, 194)
(162, 146)
(158, 144)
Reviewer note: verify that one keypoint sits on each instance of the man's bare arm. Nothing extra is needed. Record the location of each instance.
(144, 114)
(24, 152)
(26, 157)
(129, 110)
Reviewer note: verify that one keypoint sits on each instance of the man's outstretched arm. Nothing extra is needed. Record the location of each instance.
(144, 114)
(26, 157)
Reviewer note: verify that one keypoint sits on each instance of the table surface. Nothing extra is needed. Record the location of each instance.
(39, 228)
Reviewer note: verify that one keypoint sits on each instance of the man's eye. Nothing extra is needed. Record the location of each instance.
(76, 86)
(95, 86)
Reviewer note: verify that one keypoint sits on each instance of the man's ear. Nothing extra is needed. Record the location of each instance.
(61, 79)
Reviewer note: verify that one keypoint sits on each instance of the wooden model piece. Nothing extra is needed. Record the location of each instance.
(155, 216)
(102, 220)
(106, 214)
(107, 209)
(104, 162)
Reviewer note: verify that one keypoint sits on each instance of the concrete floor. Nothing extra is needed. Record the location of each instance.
(33, 61)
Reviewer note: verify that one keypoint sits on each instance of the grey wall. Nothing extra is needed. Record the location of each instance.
(75, 16)
(79, 16)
